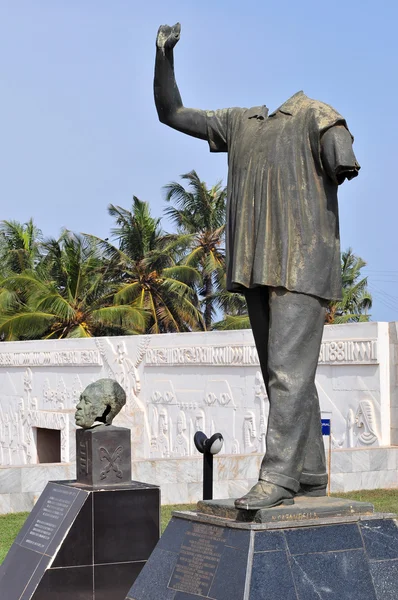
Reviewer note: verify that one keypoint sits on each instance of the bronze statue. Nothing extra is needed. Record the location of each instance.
(283, 254)
(100, 402)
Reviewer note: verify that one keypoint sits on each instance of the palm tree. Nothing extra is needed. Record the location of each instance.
(233, 307)
(19, 246)
(199, 212)
(68, 294)
(145, 268)
(357, 300)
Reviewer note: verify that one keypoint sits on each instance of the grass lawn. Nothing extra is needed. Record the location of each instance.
(9, 527)
(383, 500)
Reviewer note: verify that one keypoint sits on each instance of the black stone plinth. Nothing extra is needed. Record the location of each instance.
(103, 455)
(304, 508)
(82, 543)
(202, 557)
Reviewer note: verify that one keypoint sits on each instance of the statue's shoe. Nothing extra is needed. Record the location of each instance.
(311, 490)
(264, 495)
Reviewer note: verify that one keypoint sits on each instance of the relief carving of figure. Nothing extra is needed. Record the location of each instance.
(163, 439)
(181, 446)
(200, 421)
(365, 418)
(249, 431)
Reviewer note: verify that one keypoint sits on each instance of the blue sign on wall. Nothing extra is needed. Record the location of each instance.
(325, 426)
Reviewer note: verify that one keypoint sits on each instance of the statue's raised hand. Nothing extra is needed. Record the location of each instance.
(168, 36)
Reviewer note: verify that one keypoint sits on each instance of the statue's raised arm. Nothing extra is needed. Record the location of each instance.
(167, 96)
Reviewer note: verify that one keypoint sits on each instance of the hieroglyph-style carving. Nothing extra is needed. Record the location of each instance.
(222, 399)
(17, 443)
(349, 351)
(82, 458)
(158, 397)
(122, 368)
(332, 352)
(203, 355)
(62, 397)
(64, 358)
(13, 447)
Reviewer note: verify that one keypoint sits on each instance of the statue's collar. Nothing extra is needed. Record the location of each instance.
(291, 106)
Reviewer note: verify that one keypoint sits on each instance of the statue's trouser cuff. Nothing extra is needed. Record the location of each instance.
(314, 478)
(279, 479)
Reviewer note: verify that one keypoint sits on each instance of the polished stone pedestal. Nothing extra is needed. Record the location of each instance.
(82, 542)
(289, 555)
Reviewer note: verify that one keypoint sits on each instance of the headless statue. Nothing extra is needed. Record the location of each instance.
(283, 254)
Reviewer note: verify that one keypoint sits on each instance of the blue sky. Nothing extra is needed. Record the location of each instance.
(80, 130)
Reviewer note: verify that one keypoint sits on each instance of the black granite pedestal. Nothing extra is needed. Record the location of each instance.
(81, 541)
(352, 556)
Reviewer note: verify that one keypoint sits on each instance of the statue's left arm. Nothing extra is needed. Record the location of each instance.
(337, 154)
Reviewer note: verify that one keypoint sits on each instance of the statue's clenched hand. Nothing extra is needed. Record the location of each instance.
(168, 36)
(169, 106)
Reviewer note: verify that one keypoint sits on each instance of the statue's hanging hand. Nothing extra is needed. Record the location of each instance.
(168, 37)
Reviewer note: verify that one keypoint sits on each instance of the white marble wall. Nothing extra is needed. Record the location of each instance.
(180, 479)
(177, 384)
(393, 375)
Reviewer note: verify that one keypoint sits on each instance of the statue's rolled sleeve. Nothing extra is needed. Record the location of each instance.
(337, 154)
(217, 129)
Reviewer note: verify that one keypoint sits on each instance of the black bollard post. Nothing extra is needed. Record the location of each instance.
(207, 476)
(208, 447)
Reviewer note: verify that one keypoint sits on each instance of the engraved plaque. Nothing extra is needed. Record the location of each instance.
(198, 559)
(50, 515)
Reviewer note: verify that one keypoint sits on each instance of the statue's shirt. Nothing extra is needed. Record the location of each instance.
(282, 211)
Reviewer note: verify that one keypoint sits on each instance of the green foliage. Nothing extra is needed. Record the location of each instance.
(357, 299)
(383, 500)
(146, 266)
(199, 212)
(166, 512)
(9, 528)
(144, 280)
(67, 294)
(19, 246)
